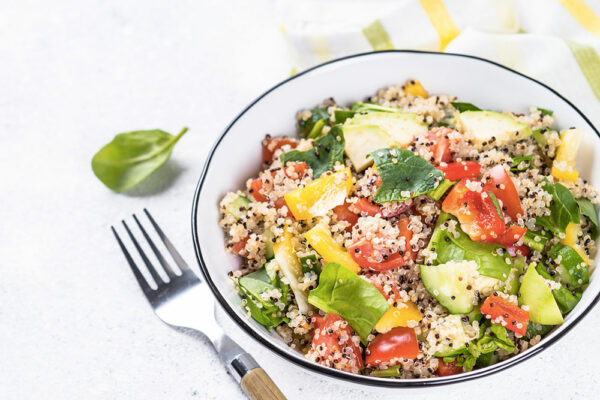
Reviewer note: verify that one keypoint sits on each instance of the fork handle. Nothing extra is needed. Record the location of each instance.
(253, 379)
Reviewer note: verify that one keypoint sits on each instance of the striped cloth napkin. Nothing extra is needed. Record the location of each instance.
(554, 41)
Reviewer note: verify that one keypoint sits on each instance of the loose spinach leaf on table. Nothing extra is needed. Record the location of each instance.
(464, 106)
(404, 175)
(327, 150)
(307, 127)
(343, 292)
(131, 157)
(564, 208)
(589, 210)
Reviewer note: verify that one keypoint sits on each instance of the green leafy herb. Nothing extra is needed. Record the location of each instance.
(343, 292)
(563, 209)
(404, 175)
(589, 211)
(545, 111)
(516, 164)
(310, 263)
(569, 265)
(439, 191)
(328, 150)
(342, 115)
(307, 127)
(371, 107)
(450, 248)
(496, 204)
(462, 107)
(254, 285)
(131, 157)
(534, 329)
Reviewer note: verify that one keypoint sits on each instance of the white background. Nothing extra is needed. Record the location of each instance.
(73, 323)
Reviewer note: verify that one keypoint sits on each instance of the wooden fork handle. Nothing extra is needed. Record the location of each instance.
(258, 386)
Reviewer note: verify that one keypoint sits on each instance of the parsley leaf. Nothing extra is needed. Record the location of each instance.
(545, 111)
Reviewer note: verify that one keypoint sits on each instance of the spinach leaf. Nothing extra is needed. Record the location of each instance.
(310, 263)
(589, 210)
(328, 150)
(516, 164)
(131, 157)
(404, 175)
(545, 111)
(485, 255)
(343, 292)
(256, 287)
(464, 106)
(563, 209)
(318, 117)
(342, 115)
(370, 107)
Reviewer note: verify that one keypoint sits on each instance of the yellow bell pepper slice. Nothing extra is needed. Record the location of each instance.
(320, 239)
(319, 196)
(572, 233)
(398, 316)
(288, 262)
(563, 167)
(415, 88)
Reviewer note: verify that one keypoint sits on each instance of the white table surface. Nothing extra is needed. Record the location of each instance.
(73, 323)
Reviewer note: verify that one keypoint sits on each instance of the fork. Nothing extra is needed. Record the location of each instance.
(184, 301)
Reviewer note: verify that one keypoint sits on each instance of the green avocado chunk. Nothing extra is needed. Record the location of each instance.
(538, 297)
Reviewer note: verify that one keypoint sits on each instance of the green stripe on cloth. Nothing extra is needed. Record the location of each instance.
(589, 63)
(378, 36)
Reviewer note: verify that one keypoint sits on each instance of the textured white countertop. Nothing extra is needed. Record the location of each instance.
(73, 321)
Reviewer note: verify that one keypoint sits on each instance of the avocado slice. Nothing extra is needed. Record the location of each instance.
(481, 126)
(448, 284)
(402, 127)
(538, 297)
(234, 208)
(362, 140)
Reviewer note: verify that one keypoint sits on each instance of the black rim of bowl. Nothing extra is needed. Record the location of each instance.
(363, 379)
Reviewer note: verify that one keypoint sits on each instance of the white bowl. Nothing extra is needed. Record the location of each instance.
(236, 156)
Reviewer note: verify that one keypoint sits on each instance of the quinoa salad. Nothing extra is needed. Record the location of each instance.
(411, 235)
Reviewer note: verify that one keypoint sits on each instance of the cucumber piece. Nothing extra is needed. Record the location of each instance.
(538, 297)
(453, 336)
(402, 127)
(448, 284)
(269, 253)
(571, 268)
(481, 126)
(362, 140)
(236, 207)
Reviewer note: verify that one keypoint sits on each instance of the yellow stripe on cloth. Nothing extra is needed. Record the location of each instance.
(320, 47)
(583, 14)
(589, 63)
(378, 36)
(441, 20)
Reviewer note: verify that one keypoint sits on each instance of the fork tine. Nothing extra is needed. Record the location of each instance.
(136, 272)
(157, 279)
(174, 253)
(166, 267)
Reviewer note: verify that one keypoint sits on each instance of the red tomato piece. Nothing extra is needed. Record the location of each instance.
(295, 170)
(238, 247)
(506, 313)
(343, 213)
(270, 145)
(441, 144)
(475, 211)
(367, 207)
(504, 189)
(255, 189)
(331, 335)
(511, 235)
(362, 251)
(447, 369)
(459, 170)
(399, 342)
